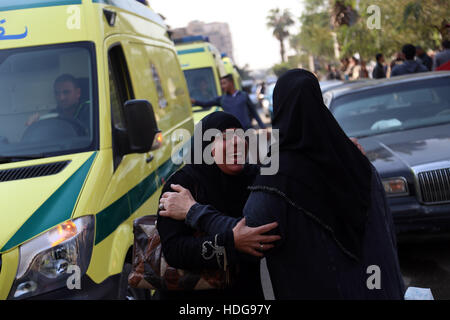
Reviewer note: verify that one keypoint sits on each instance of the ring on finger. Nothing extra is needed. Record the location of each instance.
(161, 206)
(261, 246)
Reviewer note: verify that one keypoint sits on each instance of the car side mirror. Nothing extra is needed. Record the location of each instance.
(141, 125)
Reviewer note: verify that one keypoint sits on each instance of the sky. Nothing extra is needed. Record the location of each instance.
(253, 42)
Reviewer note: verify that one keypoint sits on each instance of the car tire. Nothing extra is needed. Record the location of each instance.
(128, 293)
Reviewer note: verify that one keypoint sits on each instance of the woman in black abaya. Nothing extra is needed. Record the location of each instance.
(329, 202)
(338, 239)
(226, 192)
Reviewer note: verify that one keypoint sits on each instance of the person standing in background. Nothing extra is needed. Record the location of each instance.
(344, 66)
(364, 74)
(379, 72)
(424, 58)
(235, 102)
(333, 73)
(410, 65)
(398, 60)
(442, 57)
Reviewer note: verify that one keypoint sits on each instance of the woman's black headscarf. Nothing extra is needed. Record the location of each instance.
(321, 170)
(226, 193)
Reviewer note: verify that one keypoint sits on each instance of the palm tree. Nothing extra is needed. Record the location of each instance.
(280, 21)
(342, 13)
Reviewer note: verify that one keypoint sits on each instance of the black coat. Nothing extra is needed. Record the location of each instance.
(183, 250)
(379, 72)
(307, 263)
(426, 61)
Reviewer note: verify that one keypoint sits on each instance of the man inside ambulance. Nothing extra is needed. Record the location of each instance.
(69, 105)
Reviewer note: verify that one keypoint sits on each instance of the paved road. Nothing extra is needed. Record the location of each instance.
(425, 263)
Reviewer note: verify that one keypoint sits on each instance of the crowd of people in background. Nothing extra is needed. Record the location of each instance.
(411, 59)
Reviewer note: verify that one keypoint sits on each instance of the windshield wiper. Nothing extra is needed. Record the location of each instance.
(14, 158)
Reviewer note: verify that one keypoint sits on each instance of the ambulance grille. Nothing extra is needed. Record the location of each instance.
(41, 170)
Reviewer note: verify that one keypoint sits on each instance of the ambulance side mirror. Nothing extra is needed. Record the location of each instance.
(142, 128)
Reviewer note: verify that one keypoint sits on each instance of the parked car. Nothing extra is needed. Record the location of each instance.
(404, 126)
(267, 102)
(330, 84)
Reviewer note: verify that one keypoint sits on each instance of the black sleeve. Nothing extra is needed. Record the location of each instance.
(207, 219)
(264, 208)
(376, 73)
(182, 249)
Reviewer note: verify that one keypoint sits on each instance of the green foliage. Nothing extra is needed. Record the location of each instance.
(420, 22)
(281, 68)
(315, 35)
(429, 17)
(280, 21)
(413, 8)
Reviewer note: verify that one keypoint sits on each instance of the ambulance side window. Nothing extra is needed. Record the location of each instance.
(116, 104)
(121, 91)
(162, 101)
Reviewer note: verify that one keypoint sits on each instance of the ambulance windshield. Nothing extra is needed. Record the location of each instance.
(48, 103)
(201, 84)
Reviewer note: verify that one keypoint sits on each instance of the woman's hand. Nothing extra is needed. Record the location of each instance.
(176, 204)
(251, 240)
(34, 118)
(356, 142)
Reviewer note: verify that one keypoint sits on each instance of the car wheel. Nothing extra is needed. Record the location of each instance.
(128, 293)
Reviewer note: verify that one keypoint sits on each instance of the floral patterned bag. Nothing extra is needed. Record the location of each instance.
(151, 271)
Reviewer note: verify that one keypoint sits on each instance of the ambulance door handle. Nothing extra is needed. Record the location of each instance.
(149, 158)
(178, 139)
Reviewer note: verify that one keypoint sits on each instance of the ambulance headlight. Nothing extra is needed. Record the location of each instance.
(55, 259)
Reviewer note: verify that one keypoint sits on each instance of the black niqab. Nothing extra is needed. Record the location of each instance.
(222, 191)
(321, 170)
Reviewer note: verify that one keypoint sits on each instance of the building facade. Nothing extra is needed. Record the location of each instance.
(219, 34)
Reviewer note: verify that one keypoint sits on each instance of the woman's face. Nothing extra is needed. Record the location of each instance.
(230, 152)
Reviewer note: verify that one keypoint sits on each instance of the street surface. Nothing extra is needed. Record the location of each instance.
(425, 263)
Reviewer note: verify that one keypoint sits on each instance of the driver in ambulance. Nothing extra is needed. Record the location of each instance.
(68, 98)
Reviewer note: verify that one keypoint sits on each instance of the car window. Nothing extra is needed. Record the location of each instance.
(48, 97)
(393, 108)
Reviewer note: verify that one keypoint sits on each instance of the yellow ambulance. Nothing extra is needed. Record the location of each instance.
(91, 92)
(230, 68)
(203, 67)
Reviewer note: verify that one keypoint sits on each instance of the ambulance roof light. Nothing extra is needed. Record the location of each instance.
(191, 39)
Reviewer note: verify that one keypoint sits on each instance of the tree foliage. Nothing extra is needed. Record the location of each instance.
(420, 22)
(281, 68)
(280, 21)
